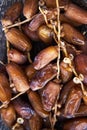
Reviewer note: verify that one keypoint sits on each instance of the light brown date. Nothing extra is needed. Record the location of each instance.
(5, 91)
(16, 56)
(30, 8)
(45, 56)
(18, 77)
(76, 13)
(45, 34)
(18, 39)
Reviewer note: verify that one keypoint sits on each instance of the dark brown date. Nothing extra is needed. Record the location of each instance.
(49, 95)
(39, 19)
(16, 56)
(76, 124)
(81, 65)
(23, 108)
(45, 56)
(43, 76)
(36, 103)
(18, 77)
(65, 91)
(12, 14)
(73, 101)
(18, 39)
(30, 71)
(35, 122)
(33, 35)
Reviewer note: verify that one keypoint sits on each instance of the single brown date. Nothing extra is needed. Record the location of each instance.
(16, 56)
(49, 95)
(18, 77)
(12, 14)
(18, 39)
(45, 56)
(43, 76)
(73, 101)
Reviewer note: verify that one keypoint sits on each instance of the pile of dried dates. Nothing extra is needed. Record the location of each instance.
(44, 90)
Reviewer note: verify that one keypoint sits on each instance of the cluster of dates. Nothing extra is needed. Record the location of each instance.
(41, 99)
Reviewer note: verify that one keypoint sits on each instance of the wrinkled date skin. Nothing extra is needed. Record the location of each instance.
(23, 108)
(43, 76)
(65, 91)
(49, 95)
(36, 103)
(81, 66)
(73, 101)
(76, 124)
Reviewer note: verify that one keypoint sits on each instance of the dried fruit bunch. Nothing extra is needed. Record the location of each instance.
(41, 91)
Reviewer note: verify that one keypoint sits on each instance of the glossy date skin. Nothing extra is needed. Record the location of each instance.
(36, 103)
(73, 101)
(12, 14)
(43, 76)
(49, 95)
(81, 66)
(76, 13)
(65, 91)
(45, 56)
(18, 77)
(76, 124)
